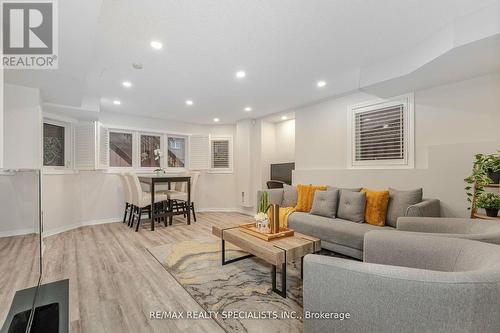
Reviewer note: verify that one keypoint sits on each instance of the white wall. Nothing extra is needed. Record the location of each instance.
(285, 141)
(97, 197)
(243, 162)
(18, 203)
(452, 123)
(267, 150)
(22, 127)
(275, 144)
(269, 142)
(1, 117)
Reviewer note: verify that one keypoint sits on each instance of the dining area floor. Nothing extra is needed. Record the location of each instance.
(165, 197)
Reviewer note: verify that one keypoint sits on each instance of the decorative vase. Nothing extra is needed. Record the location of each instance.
(274, 217)
(159, 173)
(265, 226)
(495, 176)
(491, 212)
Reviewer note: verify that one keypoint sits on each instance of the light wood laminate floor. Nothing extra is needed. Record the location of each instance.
(115, 282)
(19, 268)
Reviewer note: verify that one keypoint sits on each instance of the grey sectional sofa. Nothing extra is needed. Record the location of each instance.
(407, 283)
(342, 236)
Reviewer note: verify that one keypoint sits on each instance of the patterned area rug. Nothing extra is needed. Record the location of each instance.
(240, 286)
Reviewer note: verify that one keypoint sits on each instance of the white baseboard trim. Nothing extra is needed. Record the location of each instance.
(225, 210)
(58, 230)
(18, 232)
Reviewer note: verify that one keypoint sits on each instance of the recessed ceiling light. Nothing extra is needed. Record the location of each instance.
(117, 102)
(127, 84)
(189, 102)
(240, 74)
(321, 84)
(248, 109)
(156, 45)
(284, 117)
(216, 120)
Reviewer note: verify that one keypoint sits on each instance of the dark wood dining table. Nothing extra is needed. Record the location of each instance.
(152, 180)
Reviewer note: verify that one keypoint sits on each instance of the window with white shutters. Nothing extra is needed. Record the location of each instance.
(85, 145)
(221, 154)
(382, 133)
(103, 145)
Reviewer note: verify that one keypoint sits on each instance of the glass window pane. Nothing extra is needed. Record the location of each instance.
(380, 134)
(149, 144)
(220, 154)
(120, 149)
(53, 145)
(176, 152)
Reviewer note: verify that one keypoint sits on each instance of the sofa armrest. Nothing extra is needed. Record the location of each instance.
(382, 298)
(446, 225)
(275, 196)
(407, 249)
(427, 208)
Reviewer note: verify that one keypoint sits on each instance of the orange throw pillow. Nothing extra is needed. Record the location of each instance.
(376, 206)
(305, 197)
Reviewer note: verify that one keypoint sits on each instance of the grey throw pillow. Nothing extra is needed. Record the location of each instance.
(289, 196)
(325, 203)
(352, 206)
(399, 201)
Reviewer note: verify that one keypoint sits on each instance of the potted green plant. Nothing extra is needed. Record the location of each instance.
(490, 202)
(492, 167)
(485, 170)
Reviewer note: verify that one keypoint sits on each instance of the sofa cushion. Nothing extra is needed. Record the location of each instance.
(289, 196)
(335, 231)
(376, 206)
(352, 206)
(325, 203)
(399, 202)
(305, 196)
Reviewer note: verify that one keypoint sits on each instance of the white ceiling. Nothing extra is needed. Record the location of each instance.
(284, 46)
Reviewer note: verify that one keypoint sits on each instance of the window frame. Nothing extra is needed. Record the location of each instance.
(186, 153)
(228, 138)
(134, 149)
(68, 144)
(409, 133)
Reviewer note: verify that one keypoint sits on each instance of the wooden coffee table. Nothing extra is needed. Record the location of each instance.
(276, 252)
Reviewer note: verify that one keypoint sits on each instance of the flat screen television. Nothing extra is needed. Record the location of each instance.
(282, 172)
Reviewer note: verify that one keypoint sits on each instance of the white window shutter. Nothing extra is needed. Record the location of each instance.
(103, 147)
(199, 152)
(85, 145)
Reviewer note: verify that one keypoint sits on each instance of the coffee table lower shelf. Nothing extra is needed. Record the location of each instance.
(274, 273)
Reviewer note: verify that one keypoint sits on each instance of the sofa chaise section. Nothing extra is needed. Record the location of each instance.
(408, 283)
(473, 229)
(336, 235)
